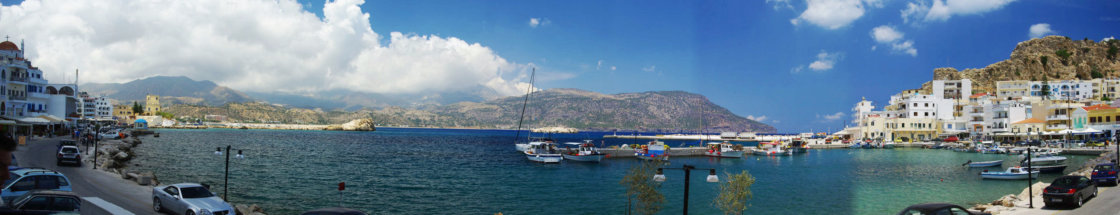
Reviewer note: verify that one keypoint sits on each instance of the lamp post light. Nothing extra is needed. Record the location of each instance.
(1030, 180)
(660, 177)
(225, 194)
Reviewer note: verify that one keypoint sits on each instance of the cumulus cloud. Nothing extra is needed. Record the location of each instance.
(780, 4)
(1039, 30)
(941, 10)
(832, 117)
(650, 69)
(831, 14)
(824, 61)
(888, 35)
(263, 46)
(756, 118)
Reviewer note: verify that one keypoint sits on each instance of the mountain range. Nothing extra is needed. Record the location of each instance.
(644, 111)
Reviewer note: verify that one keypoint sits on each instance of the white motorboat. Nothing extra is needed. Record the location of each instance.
(654, 150)
(723, 149)
(585, 152)
(1013, 173)
(544, 152)
(770, 148)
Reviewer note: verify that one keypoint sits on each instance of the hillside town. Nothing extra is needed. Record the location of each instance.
(31, 104)
(1017, 110)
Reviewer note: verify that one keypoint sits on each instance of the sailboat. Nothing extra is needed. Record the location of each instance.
(522, 147)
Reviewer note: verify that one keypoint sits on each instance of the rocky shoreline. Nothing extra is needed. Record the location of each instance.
(114, 157)
(1010, 202)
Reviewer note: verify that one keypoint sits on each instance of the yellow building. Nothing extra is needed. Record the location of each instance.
(1058, 114)
(122, 111)
(151, 106)
(1029, 125)
(1005, 89)
(900, 129)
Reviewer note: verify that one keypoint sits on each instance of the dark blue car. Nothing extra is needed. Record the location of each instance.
(1105, 173)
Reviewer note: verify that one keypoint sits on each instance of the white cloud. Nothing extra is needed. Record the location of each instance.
(650, 69)
(832, 117)
(831, 14)
(251, 45)
(613, 68)
(885, 34)
(537, 22)
(888, 35)
(941, 10)
(756, 118)
(599, 65)
(797, 69)
(775, 121)
(1039, 30)
(779, 4)
(824, 61)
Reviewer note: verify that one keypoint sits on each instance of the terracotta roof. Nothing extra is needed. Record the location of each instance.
(1098, 107)
(978, 95)
(9, 45)
(1030, 121)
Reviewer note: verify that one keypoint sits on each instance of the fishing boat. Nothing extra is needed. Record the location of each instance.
(543, 152)
(585, 152)
(854, 146)
(1059, 168)
(994, 163)
(654, 150)
(1045, 160)
(769, 148)
(723, 149)
(798, 146)
(1013, 173)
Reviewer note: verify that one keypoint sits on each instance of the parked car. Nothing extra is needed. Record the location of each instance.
(47, 201)
(1069, 190)
(1105, 173)
(62, 143)
(188, 199)
(333, 211)
(26, 180)
(69, 154)
(938, 209)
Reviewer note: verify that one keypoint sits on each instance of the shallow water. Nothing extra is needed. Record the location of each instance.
(440, 171)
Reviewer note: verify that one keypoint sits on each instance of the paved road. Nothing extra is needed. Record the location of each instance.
(1106, 202)
(84, 180)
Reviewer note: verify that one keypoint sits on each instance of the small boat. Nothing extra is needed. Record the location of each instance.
(854, 146)
(521, 147)
(654, 150)
(768, 149)
(985, 163)
(723, 149)
(1013, 173)
(543, 152)
(585, 152)
(798, 146)
(1045, 160)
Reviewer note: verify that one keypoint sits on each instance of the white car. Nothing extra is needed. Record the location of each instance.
(188, 199)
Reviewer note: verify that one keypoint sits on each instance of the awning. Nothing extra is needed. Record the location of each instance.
(52, 118)
(34, 120)
(141, 121)
(7, 122)
(1088, 131)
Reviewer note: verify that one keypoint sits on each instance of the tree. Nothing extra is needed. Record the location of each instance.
(137, 108)
(165, 115)
(1105, 98)
(734, 194)
(1064, 54)
(640, 185)
(1044, 59)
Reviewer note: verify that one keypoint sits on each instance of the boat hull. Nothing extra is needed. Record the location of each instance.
(653, 157)
(1007, 176)
(770, 153)
(584, 158)
(726, 154)
(1050, 168)
(986, 164)
(545, 158)
(521, 146)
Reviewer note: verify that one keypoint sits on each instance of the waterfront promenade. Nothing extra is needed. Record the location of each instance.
(85, 181)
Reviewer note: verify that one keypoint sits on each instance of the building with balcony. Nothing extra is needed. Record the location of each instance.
(1012, 89)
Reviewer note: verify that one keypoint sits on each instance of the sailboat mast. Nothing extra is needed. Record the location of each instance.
(525, 104)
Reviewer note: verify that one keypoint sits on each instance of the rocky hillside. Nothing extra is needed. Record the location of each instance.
(1048, 58)
(647, 111)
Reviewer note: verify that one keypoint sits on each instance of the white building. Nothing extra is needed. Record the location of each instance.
(96, 108)
(1076, 90)
(23, 89)
(952, 89)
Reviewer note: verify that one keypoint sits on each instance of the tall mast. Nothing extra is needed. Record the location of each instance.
(525, 104)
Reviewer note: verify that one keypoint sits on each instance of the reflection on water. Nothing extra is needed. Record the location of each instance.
(433, 171)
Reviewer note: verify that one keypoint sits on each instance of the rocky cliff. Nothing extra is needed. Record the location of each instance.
(1048, 58)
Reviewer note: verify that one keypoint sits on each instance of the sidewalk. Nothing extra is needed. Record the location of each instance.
(1105, 203)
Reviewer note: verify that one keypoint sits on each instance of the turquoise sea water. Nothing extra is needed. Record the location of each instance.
(439, 171)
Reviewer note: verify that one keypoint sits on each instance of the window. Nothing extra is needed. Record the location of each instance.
(24, 184)
(47, 182)
(65, 204)
(37, 203)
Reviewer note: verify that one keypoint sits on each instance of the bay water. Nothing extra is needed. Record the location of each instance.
(450, 171)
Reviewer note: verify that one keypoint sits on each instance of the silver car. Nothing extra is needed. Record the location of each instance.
(188, 199)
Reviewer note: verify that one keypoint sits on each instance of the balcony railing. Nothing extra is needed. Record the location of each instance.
(1057, 126)
(16, 78)
(22, 97)
(1057, 117)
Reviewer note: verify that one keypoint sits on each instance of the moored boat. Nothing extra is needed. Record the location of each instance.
(585, 152)
(654, 150)
(543, 152)
(1013, 173)
(994, 163)
(769, 148)
(723, 149)
(798, 146)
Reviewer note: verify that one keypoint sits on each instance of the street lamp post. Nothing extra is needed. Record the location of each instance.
(660, 177)
(225, 195)
(1030, 180)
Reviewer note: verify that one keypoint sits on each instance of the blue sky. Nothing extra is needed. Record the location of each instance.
(798, 65)
(744, 55)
